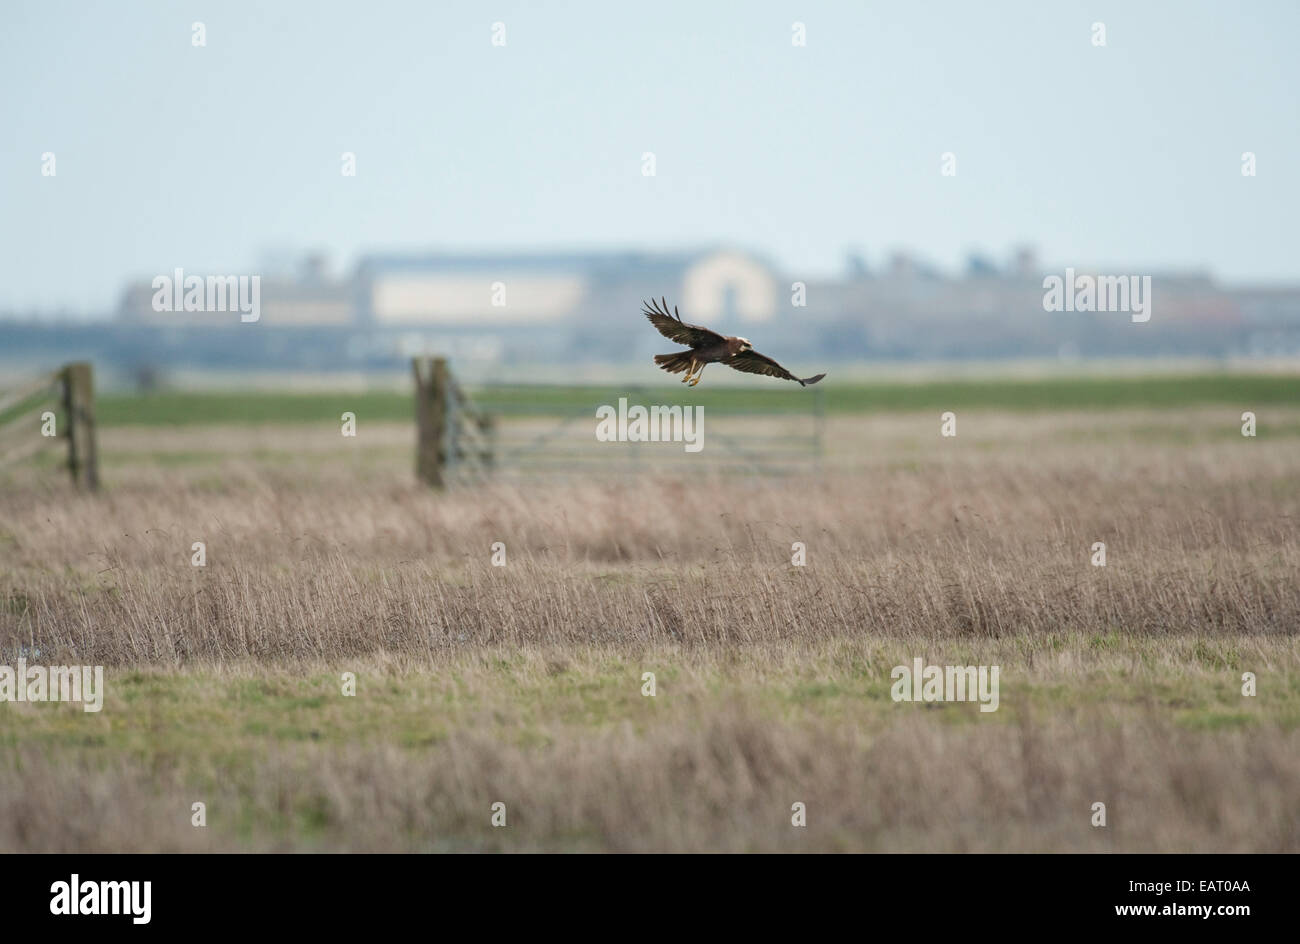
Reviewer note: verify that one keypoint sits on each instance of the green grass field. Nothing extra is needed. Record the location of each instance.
(1248, 391)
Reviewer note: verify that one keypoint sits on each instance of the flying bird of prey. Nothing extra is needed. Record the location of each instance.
(709, 347)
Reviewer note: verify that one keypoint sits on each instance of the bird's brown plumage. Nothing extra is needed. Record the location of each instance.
(708, 347)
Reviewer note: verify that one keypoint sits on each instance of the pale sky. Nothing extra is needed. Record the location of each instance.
(204, 158)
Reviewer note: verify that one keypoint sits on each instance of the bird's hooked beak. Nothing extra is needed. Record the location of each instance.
(745, 345)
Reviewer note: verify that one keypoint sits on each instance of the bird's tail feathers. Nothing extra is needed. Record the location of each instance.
(674, 363)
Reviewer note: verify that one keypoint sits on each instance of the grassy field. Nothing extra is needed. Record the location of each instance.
(1247, 391)
(523, 684)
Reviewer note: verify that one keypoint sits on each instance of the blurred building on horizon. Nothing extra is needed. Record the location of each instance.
(582, 308)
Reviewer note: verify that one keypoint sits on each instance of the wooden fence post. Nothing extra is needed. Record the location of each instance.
(453, 435)
(431, 404)
(487, 427)
(79, 407)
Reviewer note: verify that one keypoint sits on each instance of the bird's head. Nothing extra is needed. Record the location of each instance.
(744, 344)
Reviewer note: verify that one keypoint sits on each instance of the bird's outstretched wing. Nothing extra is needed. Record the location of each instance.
(672, 327)
(752, 362)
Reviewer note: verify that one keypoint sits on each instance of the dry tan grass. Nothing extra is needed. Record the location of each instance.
(1199, 539)
(975, 549)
